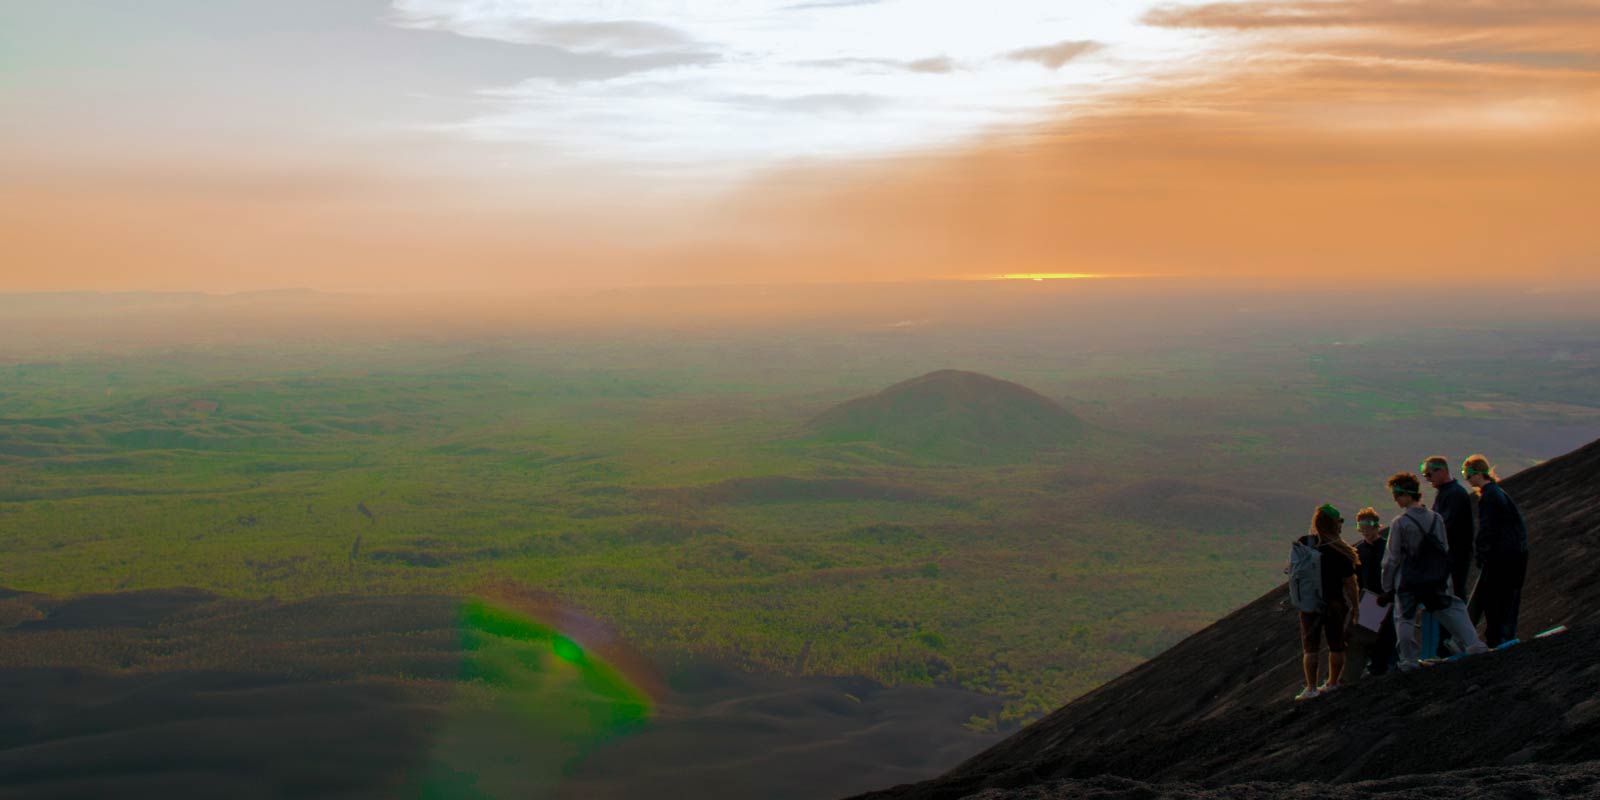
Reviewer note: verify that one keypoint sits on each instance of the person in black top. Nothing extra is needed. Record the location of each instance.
(1374, 540)
(1372, 651)
(1338, 566)
(1502, 552)
(1451, 501)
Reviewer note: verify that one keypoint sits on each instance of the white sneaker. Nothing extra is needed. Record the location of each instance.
(1307, 693)
(1477, 649)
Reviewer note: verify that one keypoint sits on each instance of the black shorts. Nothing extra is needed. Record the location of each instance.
(1329, 622)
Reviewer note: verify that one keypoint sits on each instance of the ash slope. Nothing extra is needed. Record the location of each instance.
(182, 693)
(1212, 717)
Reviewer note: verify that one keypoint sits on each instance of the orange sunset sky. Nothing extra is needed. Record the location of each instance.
(420, 145)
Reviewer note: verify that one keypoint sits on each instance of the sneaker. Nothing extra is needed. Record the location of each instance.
(1329, 687)
(1408, 666)
(1306, 694)
(1477, 648)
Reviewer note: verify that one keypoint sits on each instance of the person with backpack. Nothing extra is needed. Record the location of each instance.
(1370, 651)
(1322, 586)
(1502, 552)
(1416, 572)
(1454, 505)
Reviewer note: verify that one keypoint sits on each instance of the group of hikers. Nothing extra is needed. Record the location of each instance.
(1383, 596)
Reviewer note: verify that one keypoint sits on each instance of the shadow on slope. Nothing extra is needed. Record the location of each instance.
(183, 693)
(1215, 709)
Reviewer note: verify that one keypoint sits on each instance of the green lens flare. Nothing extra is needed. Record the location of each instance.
(530, 704)
(567, 650)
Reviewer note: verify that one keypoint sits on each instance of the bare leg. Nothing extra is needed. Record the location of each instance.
(1308, 664)
(1335, 668)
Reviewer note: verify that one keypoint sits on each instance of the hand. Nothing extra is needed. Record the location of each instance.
(1384, 600)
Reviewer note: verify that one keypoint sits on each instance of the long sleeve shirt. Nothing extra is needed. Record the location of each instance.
(1454, 504)
(1501, 531)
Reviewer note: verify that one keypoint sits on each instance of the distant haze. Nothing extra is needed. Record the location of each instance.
(450, 145)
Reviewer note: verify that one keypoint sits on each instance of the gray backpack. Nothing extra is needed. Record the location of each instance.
(1305, 575)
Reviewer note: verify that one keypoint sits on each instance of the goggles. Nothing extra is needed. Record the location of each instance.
(1367, 523)
(1429, 466)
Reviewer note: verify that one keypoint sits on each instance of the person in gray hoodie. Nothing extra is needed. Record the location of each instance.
(1406, 533)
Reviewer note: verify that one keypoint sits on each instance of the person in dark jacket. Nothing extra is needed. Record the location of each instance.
(1502, 552)
(1451, 501)
(1338, 564)
(1371, 651)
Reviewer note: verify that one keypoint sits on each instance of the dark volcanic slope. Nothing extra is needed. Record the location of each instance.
(954, 415)
(1215, 710)
(181, 693)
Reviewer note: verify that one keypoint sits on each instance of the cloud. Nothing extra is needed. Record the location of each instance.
(815, 103)
(830, 4)
(937, 65)
(1556, 35)
(1504, 63)
(933, 65)
(1429, 14)
(1369, 141)
(1383, 146)
(1055, 55)
(616, 36)
(863, 71)
(622, 37)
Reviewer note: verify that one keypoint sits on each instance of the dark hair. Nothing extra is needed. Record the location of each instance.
(1405, 483)
(1325, 524)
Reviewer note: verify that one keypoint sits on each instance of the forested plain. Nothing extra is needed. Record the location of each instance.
(672, 484)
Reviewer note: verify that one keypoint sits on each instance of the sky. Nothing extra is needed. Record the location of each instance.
(511, 145)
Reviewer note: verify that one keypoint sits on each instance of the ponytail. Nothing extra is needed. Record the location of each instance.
(1478, 465)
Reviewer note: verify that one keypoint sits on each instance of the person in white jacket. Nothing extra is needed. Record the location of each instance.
(1406, 533)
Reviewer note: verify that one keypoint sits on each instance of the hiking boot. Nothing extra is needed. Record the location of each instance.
(1306, 694)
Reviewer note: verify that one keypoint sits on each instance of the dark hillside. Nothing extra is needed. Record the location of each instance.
(1216, 709)
(182, 693)
(953, 415)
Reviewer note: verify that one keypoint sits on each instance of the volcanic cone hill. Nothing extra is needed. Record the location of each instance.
(954, 416)
(1213, 716)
